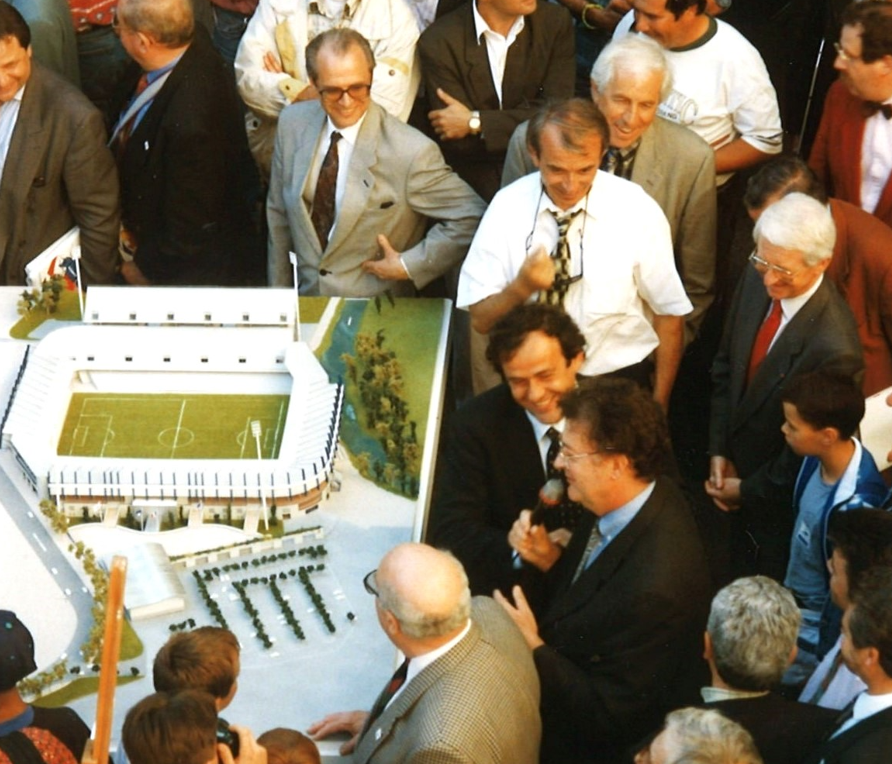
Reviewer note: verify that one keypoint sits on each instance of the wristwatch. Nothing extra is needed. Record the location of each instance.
(474, 123)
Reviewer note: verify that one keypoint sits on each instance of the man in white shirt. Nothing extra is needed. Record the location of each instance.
(721, 88)
(467, 692)
(866, 736)
(852, 152)
(613, 270)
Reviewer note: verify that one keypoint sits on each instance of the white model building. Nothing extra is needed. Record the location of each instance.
(177, 340)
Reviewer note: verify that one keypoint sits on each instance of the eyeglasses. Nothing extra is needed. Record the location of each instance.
(367, 583)
(847, 57)
(357, 92)
(561, 282)
(562, 453)
(763, 266)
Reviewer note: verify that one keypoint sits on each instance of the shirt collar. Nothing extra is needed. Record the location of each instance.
(20, 93)
(790, 306)
(868, 705)
(320, 8)
(156, 73)
(715, 694)
(540, 428)
(349, 134)
(481, 27)
(613, 523)
(421, 662)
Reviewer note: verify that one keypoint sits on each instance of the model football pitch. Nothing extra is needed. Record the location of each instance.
(170, 426)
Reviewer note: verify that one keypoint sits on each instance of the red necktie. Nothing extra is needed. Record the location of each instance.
(763, 339)
(396, 681)
(126, 130)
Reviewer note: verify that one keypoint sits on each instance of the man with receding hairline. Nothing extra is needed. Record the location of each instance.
(182, 156)
(467, 691)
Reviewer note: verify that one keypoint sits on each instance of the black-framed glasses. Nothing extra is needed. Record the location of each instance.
(370, 582)
(357, 92)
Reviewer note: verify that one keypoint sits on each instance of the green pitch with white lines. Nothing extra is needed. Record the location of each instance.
(172, 426)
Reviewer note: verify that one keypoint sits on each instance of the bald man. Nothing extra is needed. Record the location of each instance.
(467, 691)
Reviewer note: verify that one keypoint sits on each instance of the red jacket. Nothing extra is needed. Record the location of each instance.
(836, 154)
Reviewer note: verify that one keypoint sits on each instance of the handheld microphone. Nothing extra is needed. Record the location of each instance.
(550, 495)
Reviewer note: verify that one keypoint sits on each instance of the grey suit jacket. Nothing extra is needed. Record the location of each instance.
(677, 169)
(478, 703)
(59, 173)
(396, 182)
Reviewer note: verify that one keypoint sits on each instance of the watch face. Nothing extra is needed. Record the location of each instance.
(474, 122)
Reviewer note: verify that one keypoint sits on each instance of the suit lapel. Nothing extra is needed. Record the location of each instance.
(646, 169)
(516, 63)
(360, 180)
(783, 354)
(832, 749)
(754, 306)
(302, 160)
(379, 733)
(479, 78)
(23, 157)
(572, 597)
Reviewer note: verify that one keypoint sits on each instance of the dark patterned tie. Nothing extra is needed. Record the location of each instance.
(566, 514)
(561, 257)
(396, 681)
(324, 199)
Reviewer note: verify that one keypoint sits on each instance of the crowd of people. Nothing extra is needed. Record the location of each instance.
(661, 317)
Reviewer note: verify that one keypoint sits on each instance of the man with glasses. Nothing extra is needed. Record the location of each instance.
(593, 242)
(785, 319)
(353, 190)
(467, 691)
(851, 153)
(616, 633)
(270, 63)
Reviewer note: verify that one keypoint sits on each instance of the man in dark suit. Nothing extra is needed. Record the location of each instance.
(860, 267)
(785, 319)
(55, 170)
(750, 641)
(617, 635)
(388, 185)
(850, 152)
(495, 455)
(182, 155)
(467, 692)
(487, 67)
(864, 735)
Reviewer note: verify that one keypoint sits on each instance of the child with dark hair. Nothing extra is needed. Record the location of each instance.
(822, 411)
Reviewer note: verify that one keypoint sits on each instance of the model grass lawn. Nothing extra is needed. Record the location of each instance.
(172, 426)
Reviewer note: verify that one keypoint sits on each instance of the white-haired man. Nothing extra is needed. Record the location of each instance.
(785, 319)
(676, 167)
(468, 690)
(695, 734)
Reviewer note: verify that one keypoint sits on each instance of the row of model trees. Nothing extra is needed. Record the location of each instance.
(261, 634)
(379, 380)
(209, 602)
(287, 612)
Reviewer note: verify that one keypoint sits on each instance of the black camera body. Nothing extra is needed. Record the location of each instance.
(227, 737)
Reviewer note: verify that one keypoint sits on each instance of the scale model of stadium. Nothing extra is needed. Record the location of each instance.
(188, 342)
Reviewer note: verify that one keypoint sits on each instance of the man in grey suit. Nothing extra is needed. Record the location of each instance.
(674, 166)
(467, 691)
(353, 189)
(55, 169)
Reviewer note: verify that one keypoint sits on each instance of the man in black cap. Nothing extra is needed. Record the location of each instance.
(28, 733)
